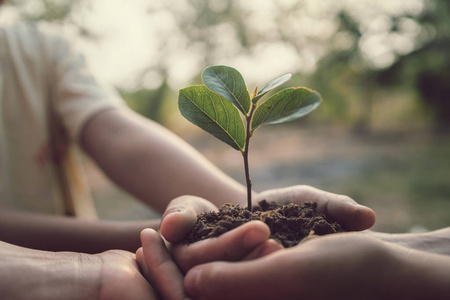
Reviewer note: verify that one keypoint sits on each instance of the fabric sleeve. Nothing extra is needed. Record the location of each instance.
(75, 91)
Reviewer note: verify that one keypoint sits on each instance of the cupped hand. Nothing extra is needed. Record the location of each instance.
(343, 209)
(165, 270)
(160, 269)
(338, 266)
(245, 242)
(181, 214)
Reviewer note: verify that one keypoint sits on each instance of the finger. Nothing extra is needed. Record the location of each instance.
(231, 246)
(165, 276)
(139, 257)
(242, 280)
(340, 208)
(345, 210)
(142, 265)
(181, 215)
(266, 248)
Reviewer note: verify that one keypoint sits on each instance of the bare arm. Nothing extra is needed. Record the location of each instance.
(146, 160)
(34, 274)
(56, 233)
(152, 163)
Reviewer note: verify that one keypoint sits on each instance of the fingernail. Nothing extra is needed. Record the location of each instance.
(192, 282)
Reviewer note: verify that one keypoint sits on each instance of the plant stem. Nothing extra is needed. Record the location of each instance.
(245, 155)
(248, 180)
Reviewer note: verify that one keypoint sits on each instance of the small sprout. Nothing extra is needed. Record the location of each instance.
(254, 93)
(221, 105)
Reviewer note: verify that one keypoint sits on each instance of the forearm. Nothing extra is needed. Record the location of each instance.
(57, 233)
(33, 274)
(152, 163)
(434, 242)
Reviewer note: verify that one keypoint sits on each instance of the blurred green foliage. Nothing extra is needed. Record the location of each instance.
(427, 68)
(148, 103)
(360, 56)
(421, 74)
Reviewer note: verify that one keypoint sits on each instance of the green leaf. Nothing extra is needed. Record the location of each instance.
(228, 82)
(214, 114)
(271, 85)
(286, 105)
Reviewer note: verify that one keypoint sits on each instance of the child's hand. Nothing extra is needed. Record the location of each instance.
(245, 242)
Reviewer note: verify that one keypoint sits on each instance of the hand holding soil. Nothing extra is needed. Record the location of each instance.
(243, 264)
(165, 271)
(340, 266)
(336, 208)
(245, 243)
(181, 217)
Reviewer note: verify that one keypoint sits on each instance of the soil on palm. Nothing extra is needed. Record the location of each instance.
(288, 224)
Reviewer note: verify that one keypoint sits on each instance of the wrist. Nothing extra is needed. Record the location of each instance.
(34, 274)
(71, 275)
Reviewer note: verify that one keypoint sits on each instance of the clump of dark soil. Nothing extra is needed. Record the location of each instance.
(288, 224)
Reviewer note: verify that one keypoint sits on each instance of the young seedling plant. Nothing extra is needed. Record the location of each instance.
(223, 104)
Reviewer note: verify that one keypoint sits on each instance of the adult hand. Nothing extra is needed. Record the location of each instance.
(120, 277)
(338, 266)
(34, 274)
(164, 274)
(159, 268)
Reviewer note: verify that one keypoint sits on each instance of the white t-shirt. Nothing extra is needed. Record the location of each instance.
(46, 96)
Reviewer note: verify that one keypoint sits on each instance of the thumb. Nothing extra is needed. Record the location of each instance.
(181, 215)
(351, 215)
